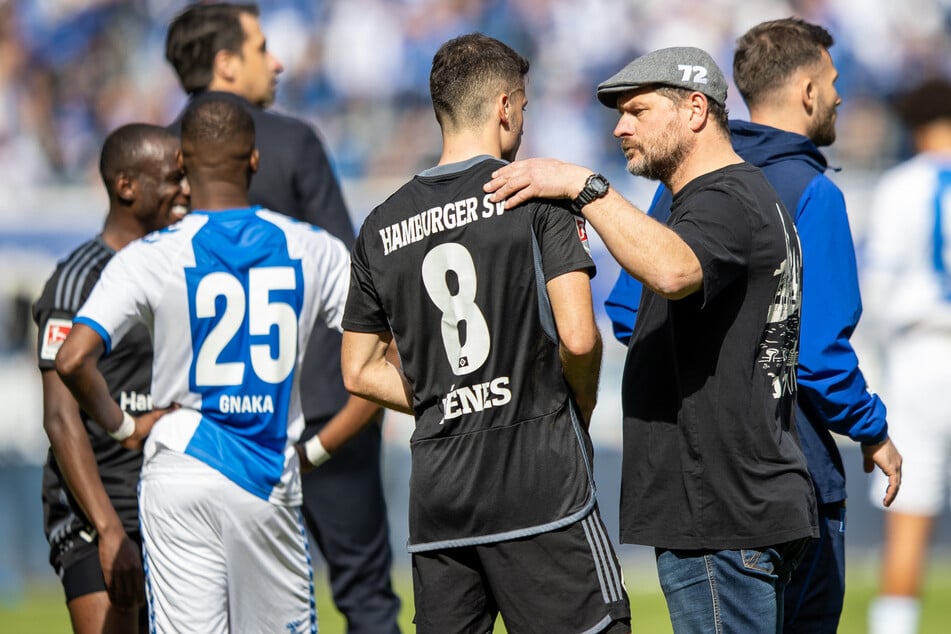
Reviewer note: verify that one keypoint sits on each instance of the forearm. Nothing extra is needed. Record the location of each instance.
(74, 455)
(384, 384)
(92, 393)
(645, 248)
(347, 423)
(582, 373)
(76, 364)
(81, 472)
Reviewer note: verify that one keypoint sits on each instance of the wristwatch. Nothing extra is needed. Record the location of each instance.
(595, 187)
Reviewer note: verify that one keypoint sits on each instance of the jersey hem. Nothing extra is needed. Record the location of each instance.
(509, 535)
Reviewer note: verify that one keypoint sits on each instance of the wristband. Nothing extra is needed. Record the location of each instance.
(315, 452)
(126, 429)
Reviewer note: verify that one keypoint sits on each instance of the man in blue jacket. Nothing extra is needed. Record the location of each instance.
(786, 76)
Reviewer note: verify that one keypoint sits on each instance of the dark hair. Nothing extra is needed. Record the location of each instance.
(467, 72)
(218, 129)
(716, 112)
(770, 52)
(212, 124)
(197, 34)
(128, 147)
(927, 102)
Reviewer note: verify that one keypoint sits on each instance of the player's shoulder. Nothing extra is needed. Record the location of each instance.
(84, 261)
(296, 229)
(85, 255)
(162, 246)
(168, 236)
(825, 190)
(64, 287)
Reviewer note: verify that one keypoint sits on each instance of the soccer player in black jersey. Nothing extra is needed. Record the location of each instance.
(492, 317)
(89, 482)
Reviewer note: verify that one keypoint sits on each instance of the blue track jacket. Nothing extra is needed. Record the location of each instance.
(833, 394)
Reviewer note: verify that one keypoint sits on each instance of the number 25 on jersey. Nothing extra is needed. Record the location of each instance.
(220, 359)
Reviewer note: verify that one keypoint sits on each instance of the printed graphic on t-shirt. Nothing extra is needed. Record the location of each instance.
(779, 349)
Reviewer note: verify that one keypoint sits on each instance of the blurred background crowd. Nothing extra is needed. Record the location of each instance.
(73, 70)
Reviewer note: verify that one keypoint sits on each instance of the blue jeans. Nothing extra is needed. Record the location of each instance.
(727, 591)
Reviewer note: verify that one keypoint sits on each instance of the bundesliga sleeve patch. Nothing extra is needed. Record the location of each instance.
(583, 234)
(54, 334)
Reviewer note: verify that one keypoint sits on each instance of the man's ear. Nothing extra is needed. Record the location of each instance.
(223, 67)
(699, 110)
(127, 187)
(809, 93)
(504, 105)
(255, 160)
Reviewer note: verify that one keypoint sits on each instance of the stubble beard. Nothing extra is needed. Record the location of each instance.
(657, 161)
(822, 132)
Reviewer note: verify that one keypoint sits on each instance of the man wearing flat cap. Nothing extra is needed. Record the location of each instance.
(713, 476)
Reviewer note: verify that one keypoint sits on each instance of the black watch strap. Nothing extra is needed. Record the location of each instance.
(596, 186)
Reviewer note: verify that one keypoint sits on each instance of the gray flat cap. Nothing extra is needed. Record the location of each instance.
(680, 66)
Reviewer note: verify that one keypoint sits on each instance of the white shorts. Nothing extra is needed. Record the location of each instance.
(217, 558)
(917, 379)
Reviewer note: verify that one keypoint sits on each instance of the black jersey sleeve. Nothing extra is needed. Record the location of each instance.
(563, 240)
(63, 295)
(52, 324)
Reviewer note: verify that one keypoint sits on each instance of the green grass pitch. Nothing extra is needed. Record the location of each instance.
(41, 610)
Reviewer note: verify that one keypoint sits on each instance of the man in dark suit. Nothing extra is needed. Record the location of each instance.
(219, 51)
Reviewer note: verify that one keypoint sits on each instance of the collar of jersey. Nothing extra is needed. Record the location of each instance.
(461, 166)
(229, 213)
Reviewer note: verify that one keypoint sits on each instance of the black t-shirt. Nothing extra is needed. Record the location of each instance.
(498, 451)
(711, 456)
(128, 373)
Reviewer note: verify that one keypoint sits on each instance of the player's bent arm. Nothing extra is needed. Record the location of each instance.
(579, 338)
(118, 556)
(74, 455)
(368, 373)
(356, 414)
(77, 365)
(647, 249)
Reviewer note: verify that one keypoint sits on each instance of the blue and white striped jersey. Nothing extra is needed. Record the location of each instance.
(230, 298)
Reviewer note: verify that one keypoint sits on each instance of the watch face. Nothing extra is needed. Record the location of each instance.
(600, 185)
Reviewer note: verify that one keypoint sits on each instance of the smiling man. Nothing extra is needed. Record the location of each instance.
(89, 483)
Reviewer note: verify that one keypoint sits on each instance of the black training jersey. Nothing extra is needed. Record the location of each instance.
(498, 451)
(128, 372)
